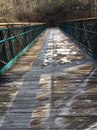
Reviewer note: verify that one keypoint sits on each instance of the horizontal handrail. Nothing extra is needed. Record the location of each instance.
(81, 29)
(16, 26)
(82, 19)
(85, 33)
(14, 41)
(21, 34)
(20, 24)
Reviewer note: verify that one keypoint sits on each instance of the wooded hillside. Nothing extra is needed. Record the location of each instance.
(50, 11)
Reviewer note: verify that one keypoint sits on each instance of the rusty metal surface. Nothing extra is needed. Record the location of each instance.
(3, 25)
(56, 90)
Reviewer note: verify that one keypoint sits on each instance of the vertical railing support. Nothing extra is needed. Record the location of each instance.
(84, 32)
(14, 41)
(10, 44)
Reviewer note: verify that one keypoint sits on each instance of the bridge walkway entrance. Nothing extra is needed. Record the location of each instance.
(51, 86)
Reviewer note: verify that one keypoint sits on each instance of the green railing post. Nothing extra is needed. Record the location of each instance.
(10, 45)
(84, 32)
(23, 38)
(80, 33)
(3, 53)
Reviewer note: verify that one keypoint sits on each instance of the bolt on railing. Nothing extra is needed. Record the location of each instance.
(14, 41)
(84, 32)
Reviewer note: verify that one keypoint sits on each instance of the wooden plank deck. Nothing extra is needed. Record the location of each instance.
(52, 86)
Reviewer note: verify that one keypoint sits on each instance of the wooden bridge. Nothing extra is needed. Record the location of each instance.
(52, 86)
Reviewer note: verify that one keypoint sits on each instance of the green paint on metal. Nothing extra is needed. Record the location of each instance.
(9, 64)
(84, 33)
(21, 34)
(81, 29)
(77, 42)
(15, 40)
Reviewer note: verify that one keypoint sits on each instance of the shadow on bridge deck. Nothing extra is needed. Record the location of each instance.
(52, 86)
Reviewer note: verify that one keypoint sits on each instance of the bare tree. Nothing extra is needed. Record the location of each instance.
(50, 11)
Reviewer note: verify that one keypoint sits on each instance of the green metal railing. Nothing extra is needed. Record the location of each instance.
(14, 41)
(84, 32)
